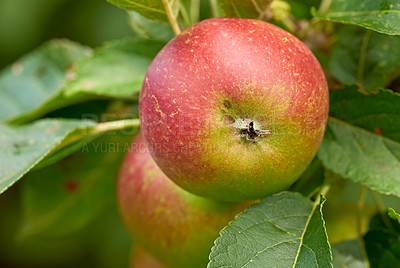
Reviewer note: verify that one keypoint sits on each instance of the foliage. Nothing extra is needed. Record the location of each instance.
(66, 166)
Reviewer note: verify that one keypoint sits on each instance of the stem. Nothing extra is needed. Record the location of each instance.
(324, 191)
(262, 13)
(381, 209)
(184, 15)
(214, 8)
(114, 125)
(171, 18)
(363, 56)
(324, 6)
(360, 206)
(195, 11)
(98, 129)
(290, 25)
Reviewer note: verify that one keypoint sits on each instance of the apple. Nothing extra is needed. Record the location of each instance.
(234, 109)
(176, 227)
(142, 259)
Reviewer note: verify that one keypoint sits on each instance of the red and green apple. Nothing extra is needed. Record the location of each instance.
(176, 227)
(234, 109)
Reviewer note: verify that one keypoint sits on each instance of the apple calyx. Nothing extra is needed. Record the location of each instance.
(247, 129)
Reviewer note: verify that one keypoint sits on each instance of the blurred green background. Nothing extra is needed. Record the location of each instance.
(25, 25)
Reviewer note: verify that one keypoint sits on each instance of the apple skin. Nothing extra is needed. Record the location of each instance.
(142, 259)
(176, 227)
(214, 75)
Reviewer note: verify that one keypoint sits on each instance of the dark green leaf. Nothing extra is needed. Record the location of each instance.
(152, 9)
(347, 254)
(382, 242)
(37, 77)
(150, 29)
(283, 230)
(21, 148)
(300, 9)
(361, 156)
(116, 70)
(379, 15)
(393, 214)
(366, 58)
(378, 112)
(244, 8)
(64, 197)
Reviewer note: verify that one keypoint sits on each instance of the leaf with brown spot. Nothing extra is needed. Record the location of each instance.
(64, 197)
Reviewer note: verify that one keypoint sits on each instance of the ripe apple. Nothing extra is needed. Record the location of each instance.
(176, 227)
(142, 259)
(234, 109)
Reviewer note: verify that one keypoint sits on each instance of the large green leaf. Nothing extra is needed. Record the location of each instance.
(361, 156)
(283, 230)
(348, 254)
(113, 71)
(37, 77)
(116, 70)
(21, 148)
(64, 197)
(152, 9)
(244, 8)
(366, 58)
(378, 113)
(379, 15)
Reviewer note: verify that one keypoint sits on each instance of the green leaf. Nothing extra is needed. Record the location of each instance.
(23, 147)
(151, 9)
(37, 77)
(347, 254)
(300, 9)
(244, 8)
(392, 214)
(115, 70)
(366, 58)
(378, 15)
(65, 197)
(150, 29)
(283, 230)
(361, 156)
(382, 242)
(378, 112)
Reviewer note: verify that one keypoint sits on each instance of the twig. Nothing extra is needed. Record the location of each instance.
(214, 8)
(194, 11)
(171, 17)
(98, 129)
(324, 6)
(381, 209)
(363, 56)
(360, 206)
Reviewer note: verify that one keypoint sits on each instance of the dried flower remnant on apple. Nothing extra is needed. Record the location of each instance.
(246, 129)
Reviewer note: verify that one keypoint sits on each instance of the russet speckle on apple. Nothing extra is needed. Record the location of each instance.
(234, 109)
